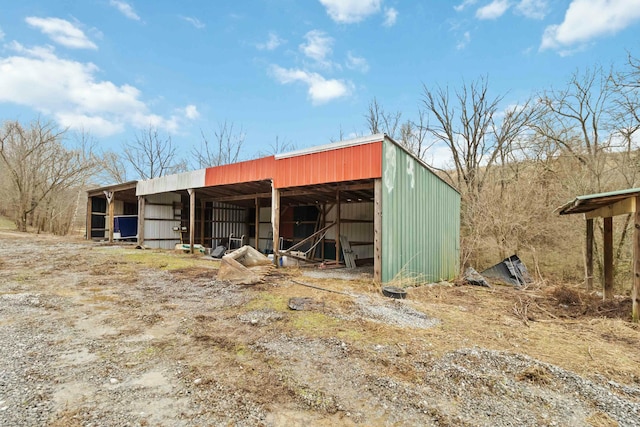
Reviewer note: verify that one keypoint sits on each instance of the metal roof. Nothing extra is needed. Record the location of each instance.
(378, 137)
(125, 191)
(590, 202)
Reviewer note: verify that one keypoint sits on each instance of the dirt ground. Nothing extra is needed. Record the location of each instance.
(99, 335)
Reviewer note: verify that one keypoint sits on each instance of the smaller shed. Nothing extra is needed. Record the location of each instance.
(606, 206)
(105, 203)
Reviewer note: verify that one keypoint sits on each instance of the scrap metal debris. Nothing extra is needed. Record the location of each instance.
(510, 270)
(472, 277)
(244, 266)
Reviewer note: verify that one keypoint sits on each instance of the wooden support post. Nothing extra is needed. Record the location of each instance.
(588, 280)
(202, 210)
(377, 231)
(338, 227)
(324, 222)
(608, 258)
(110, 219)
(275, 223)
(192, 218)
(635, 292)
(88, 224)
(257, 220)
(141, 208)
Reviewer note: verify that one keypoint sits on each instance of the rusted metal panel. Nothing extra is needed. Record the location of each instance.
(167, 183)
(251, 170)
(420, 220)
(352, 163)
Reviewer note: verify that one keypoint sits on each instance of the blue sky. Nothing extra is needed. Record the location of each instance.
(296, 70)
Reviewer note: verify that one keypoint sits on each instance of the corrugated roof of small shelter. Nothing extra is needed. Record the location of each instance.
(112, 187)
(590, 202)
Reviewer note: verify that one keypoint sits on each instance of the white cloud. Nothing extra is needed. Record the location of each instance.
(493, 10)
(466, 38)
(1, 34)
(62, 32)
(533, 9)
(464, 5)
(320, 90)
(588, 19)
(317, 47)
(390, 17)
(351, 11)
(439, 156)
(69, 91)
(191, 112)
(96, 125)
(194, 21)
(273, 42)
(125, 8)
(357, 63)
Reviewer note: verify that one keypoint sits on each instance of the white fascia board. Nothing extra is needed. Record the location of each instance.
(168, 183)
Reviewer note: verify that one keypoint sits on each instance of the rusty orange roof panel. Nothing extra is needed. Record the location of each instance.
(350, 163)
(235, 173)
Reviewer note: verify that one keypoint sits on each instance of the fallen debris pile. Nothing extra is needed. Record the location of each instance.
(245, 266)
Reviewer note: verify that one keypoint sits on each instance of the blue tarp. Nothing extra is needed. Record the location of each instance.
(126, 225)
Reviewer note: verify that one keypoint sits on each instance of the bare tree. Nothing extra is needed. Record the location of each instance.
(114, 169)
(413, 135)
(379, 121)
(278, 146)
(39, 167)
(222, 149)
(152, 154)
(579, 121)
(473, 130)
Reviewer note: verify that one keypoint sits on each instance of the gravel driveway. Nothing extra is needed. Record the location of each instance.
(90, 337)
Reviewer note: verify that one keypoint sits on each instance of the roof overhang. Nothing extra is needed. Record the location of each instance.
(602, 205)
(125, 191)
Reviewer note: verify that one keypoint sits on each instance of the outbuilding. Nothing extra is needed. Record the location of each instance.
(361, 201)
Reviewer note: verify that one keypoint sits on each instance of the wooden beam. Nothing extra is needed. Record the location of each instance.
(635, 292)
(111, 208)
(306, 239)
(202, 209)
(588, 279)
(241, 197)
(338, 227)
(622, 207)
(192, 218)
(141, 209)
(275, 223)
(257, 220)
(325, 190)
(324, 222)
(88, 224)
(377, 232)
(608, 258)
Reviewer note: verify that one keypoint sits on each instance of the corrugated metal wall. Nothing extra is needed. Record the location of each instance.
(359, 231)
(160, 218)
(420, 220)
(228, 219)
(266, 231)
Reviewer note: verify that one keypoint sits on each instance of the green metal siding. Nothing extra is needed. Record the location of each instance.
(420, 220)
